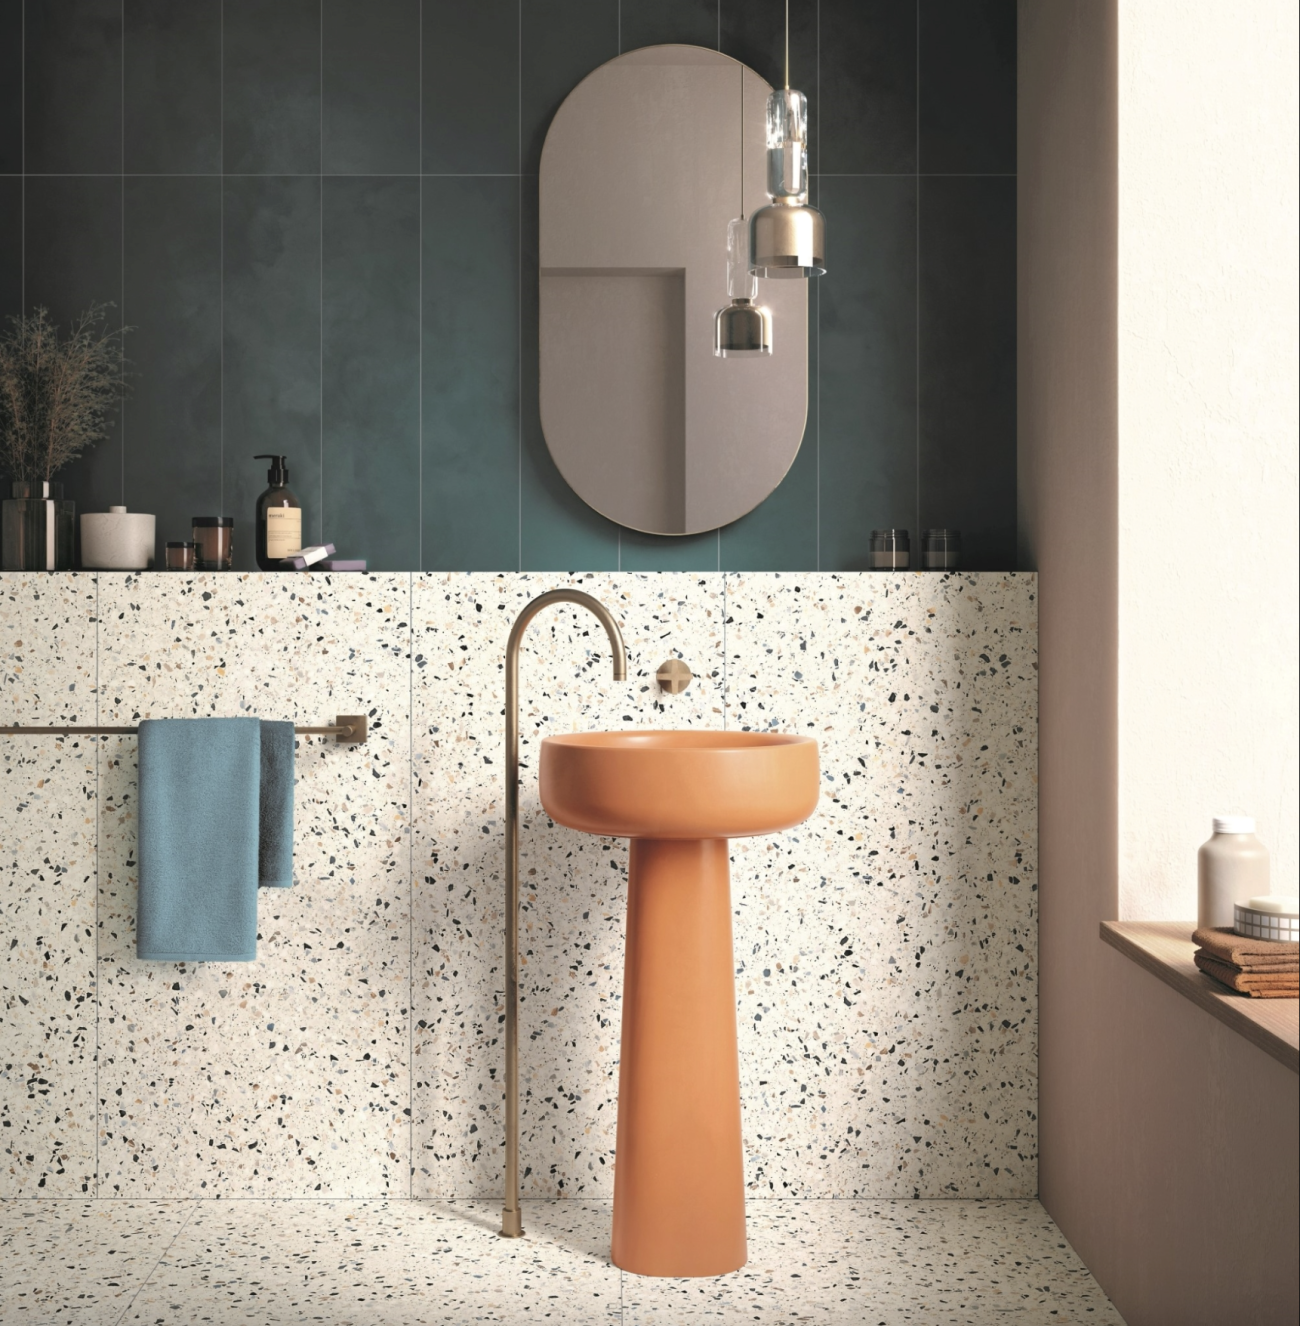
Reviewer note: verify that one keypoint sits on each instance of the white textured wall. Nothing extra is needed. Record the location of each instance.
(1207, 437)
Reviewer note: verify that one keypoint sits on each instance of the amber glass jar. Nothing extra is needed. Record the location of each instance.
(214, 537)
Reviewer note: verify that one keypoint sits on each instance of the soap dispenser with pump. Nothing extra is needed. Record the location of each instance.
(279, 518)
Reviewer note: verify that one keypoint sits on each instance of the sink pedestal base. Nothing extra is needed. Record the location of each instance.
(679, 1189)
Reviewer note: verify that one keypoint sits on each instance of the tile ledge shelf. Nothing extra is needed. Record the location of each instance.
(1165, 948)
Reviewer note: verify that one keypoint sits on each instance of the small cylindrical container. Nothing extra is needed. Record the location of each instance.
(1231, 868)
(941, 550)
(215, 540)
(180, 556)
(891, 550)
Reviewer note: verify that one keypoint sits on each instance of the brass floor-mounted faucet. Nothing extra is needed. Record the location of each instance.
(511, 1219)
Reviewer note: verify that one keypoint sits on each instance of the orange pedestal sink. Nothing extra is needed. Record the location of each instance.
(679, 1194)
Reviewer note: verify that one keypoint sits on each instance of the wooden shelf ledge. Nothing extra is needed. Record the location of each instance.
(1165, 949)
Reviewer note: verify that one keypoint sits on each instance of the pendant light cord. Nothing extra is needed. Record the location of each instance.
(742, 141)
(787, 45)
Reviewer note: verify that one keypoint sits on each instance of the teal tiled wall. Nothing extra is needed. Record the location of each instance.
(320, 216)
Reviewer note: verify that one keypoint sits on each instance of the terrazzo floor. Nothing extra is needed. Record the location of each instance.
(414, 1263)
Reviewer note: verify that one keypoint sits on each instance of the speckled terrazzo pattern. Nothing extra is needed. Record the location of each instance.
(47, 889)
(574, 885)
(885, 951)
(415, 1263)
(80, 1263)
(289, 1075)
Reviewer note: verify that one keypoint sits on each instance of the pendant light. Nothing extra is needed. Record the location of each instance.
(786, 237)
(741, 330)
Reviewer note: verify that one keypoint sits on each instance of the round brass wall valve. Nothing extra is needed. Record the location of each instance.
(673, 676)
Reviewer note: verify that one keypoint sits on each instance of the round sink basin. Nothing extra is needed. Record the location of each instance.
(679, 1183)
(679, 784)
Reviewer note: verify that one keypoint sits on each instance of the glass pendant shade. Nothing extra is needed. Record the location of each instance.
(787, 238)
(742, 329)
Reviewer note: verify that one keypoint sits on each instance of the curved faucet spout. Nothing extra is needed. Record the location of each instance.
(511, 1218)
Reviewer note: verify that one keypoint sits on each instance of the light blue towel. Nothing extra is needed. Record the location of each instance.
(275, 834)
(200, 781)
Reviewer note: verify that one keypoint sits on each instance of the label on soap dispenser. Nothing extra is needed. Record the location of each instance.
(283, 531)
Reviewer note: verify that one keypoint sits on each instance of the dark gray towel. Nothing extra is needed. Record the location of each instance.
(275, 812)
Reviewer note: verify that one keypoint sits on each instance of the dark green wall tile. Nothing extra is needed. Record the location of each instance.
(473, 486)
(272, 343)
(172, 295)
(171, 86)
(11, 87)
(272, 87)
(371, 376)
(558, 530)
(968, 86)
(73, 259)
(657, 552)
(370, 94)
(11, 249)
(780, 534)
(755, 34)
(470, 457)
(471, 87)
(968, 365)
(74, 87)
(868, 366)
(563, 41)
(868, 87)
(660, 22)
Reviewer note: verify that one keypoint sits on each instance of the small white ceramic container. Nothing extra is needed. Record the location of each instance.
(117, 540)
(1252, 923)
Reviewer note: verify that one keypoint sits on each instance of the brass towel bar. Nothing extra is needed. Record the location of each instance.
(350, 729)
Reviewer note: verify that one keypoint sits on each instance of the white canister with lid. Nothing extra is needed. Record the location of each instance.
(1232, 867)
(117, 540)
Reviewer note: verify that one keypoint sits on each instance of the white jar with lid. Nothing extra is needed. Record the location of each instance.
(1232, 867)
(117, 540)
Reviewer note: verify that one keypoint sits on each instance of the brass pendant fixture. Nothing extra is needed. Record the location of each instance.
(787, 237)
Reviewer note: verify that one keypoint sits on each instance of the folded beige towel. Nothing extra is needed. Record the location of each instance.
(1259, 985)
(1249, 954)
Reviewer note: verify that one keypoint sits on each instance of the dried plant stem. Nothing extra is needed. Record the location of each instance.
(56, 396)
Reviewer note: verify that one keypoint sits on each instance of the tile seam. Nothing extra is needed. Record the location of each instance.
(410, 876)
(419, 477)
(98, 824)
(161, 1258)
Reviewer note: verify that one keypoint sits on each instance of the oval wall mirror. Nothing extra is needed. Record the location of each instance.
(640, 174)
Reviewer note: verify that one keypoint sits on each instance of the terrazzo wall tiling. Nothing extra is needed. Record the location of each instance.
(47, 897)
(885, 951)
(288, 1075)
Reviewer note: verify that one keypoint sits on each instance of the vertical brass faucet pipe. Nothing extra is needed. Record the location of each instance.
(511, 1219)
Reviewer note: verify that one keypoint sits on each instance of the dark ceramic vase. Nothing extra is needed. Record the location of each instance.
(39, 527)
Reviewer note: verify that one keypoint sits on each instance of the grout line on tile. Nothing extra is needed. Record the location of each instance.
(916, 529)
(320, 243)
(419, 298)
(99, 818)
(121, 196)
(410, 865)
(519, 294)
(161, 1258)
(221, 261)
(726, 675)
(22, 161)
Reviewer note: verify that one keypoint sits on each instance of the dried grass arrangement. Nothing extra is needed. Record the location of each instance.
(56, 395)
